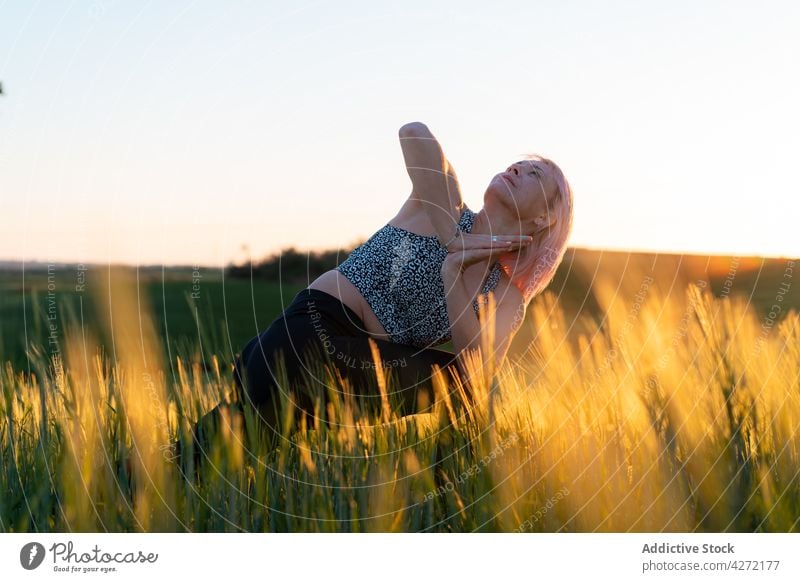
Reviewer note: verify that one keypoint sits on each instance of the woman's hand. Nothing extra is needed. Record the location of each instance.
(468, 249)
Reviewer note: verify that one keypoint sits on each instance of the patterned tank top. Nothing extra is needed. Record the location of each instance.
(399, 274)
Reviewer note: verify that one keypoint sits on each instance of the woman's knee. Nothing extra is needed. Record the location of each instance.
(261, 371)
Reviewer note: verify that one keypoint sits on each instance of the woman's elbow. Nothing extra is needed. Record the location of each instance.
(415, 128)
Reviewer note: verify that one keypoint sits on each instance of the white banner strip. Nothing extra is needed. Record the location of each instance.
(388, 557)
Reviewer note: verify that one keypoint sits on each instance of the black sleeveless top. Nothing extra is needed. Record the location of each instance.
(399, 274)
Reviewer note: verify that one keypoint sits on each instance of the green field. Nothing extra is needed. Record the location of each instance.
(644, 393)
(219, 316)
(222, 314)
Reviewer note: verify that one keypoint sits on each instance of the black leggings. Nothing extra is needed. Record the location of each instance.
(314, 336)
(318, 330)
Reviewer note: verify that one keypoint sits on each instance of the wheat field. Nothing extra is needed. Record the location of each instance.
(677, 412)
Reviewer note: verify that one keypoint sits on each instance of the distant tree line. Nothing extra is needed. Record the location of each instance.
(290, 265)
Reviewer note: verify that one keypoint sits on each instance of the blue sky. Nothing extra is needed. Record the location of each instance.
(176, 132)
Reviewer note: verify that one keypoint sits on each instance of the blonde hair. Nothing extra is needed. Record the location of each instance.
(532, 269)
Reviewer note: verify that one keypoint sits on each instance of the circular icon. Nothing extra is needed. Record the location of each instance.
(31, 555)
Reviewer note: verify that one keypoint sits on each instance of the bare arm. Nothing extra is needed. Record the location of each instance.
(433, 179)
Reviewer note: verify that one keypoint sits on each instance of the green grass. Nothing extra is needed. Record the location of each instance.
(675, 411)
(222, 317)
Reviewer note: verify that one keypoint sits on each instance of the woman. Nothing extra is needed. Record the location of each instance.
(413, 285)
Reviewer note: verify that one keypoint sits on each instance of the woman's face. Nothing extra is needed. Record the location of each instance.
(520, 195)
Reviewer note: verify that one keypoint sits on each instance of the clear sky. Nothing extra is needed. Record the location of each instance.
(177, 132)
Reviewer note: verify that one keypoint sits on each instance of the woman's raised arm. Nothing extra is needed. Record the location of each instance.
(433, 179)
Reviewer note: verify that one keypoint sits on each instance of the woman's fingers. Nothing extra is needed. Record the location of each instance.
(468, 241)
(495, 237)
(471, 241)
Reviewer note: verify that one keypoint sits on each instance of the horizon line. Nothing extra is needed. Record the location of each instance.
(6, 262)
